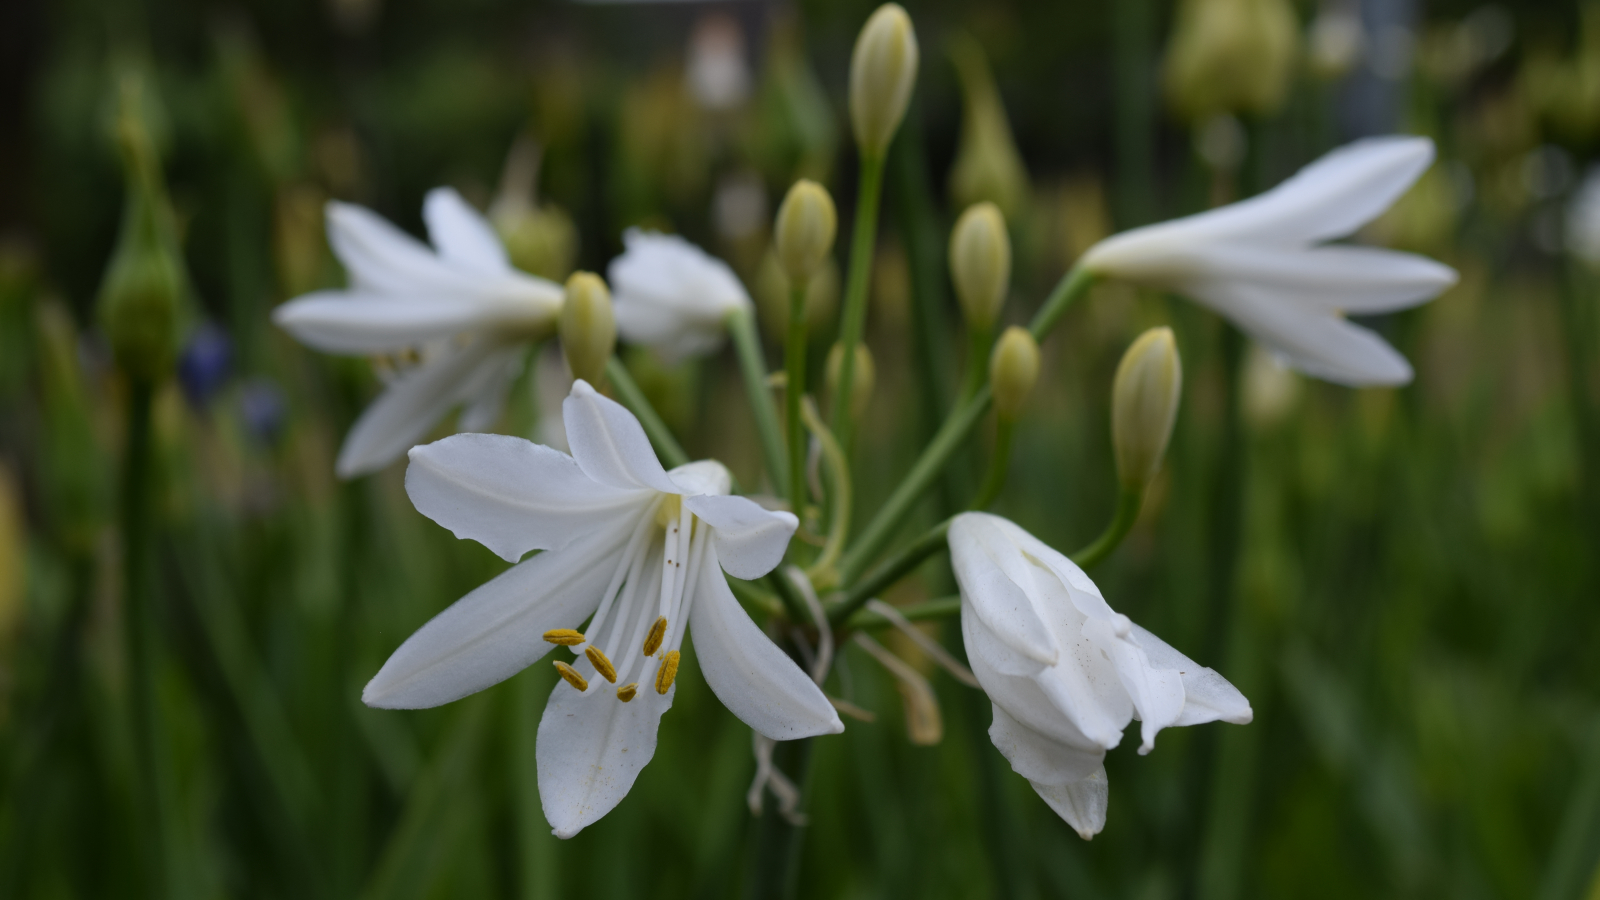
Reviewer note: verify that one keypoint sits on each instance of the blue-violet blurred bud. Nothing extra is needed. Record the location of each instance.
(204, 364)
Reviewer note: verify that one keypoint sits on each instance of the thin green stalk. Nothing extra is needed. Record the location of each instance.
(1128, 502)
(1072, 285)
(824, 573)
(979, 341)
(660, 435)
(753, 365)
(863, 241)
(941, 608)
(888, 573)
(794, 389)
(999, 464)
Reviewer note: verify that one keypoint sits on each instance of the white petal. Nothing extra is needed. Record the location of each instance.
(512, 495)
(461, 234)
(1319, 343)
(1208, 696)
(408, 409)
(1157, 693)
(1041, 759)
(752, 677)
(994, 597)
(1335, 195)
(592, 747)
(358, 323)
(609, 443)
(750, 541)
(666, 271)
(1081, 804)
(487, 396)
(381, 258)
(1352, 279)
(495, 631)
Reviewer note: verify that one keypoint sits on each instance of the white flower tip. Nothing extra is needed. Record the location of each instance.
(581, 388)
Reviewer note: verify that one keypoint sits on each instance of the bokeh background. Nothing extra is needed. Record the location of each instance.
(1402, 581)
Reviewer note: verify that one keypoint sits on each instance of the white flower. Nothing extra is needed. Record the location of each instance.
(1263, 262)
(671, 295)
(1065, 672)
(638, 552)
(459, 307)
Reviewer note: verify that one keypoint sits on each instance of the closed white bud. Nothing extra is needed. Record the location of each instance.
(862, 378)
(588, 326)
(980, 263)
(1013, 370)
(804, 231)
(882, 72)
(1144, 405)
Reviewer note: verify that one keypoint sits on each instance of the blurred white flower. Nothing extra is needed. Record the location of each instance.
(1583, 219)
(639, 549)
(1064, 671)
(672, 296)
(458, 308)
(1263, 262)
(718, 76)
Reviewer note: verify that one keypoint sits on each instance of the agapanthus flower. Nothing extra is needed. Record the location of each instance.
(453, 321)
(1264, 262)
(636, 551)
(1065, 672)
(672, 296)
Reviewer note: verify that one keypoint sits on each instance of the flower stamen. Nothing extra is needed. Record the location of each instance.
(601, 663)
(566, 637)
(667, 673)
(627, 691)
(658, 631)
(571, 676)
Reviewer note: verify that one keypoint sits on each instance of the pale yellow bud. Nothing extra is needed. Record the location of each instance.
(882, 72)
(1144, 405)
(1013, 370)
(588, 326)
(980, 263)
(862, 378)
(1230, 56)
(804, 231)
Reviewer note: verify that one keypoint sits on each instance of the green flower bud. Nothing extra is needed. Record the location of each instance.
(988, 165)
(1013, 370)
(1144, 405)
(980, 263)
(882, 72)
(862, 379)
(804, 231)
(1230, 56)
(541, 238)
(588, 327)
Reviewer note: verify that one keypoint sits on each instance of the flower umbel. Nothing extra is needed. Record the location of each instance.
(634, 550)
(1065, 672)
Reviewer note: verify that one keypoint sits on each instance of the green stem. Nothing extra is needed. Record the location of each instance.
(1072, 285)
(824, 573)
(793, 606)
(794, 389)
(888, 573)
(660, 435)
(753, 365)
(999, 464)
(863, 240)
(979, 340)
(1128, 502)
(941, 608)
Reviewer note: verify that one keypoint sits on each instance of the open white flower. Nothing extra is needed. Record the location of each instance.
(637, 551)
(458, 308)
(1065, 672)
(672, 296)
(1263, 262)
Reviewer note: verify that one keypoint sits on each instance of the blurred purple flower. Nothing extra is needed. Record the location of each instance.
(205, 363)
(263, 409)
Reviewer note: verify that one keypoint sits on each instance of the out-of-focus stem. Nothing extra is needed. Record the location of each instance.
(794, 363)
(999, 464)
(863, 241)
(1128, 502)
(941, 608)
(824, 573)
(979, 340)
(753, 365)
(889, 572)
(660, 435)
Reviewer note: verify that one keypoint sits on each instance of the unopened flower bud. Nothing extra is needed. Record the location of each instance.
(862, 379)
(1013, 370)
(882, 71)
(804, 231)
(980, 263)
(1230, 56)
(588, 326)
(1144, 405)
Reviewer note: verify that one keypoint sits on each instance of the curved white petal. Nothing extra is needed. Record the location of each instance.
(591, 748)
(461, 234)
(379, 257)
(487, 394)
(361, 323)
(991, 593)
(408, 409)
(1208, 697)
(512, 495)
(495, 631)
(1081, 804)
(752, 677)
(1157, 694)
(609, 443)
(1317, 342)
(1041, 759)
(748, 540)
(1076, 702)
(666, 271)
(1338, 277)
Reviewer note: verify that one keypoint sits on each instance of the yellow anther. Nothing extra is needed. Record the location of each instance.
(601, 664)
(626, 692)
(572, 677)
(564, 636)
(669, 510)
(667, 672)
(652, 641)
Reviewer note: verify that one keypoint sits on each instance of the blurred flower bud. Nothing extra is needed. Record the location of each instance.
(1230, 56)
(883, 69)
(1335, 41)
(1144, 405)
(1271, 389)
(862, 379)
(262, 407)
(980, 264)
(204, 363)
(804, 231)
(772, 289)
(1013, 370)
(988, 165)
(588, 326)
(540, 239)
